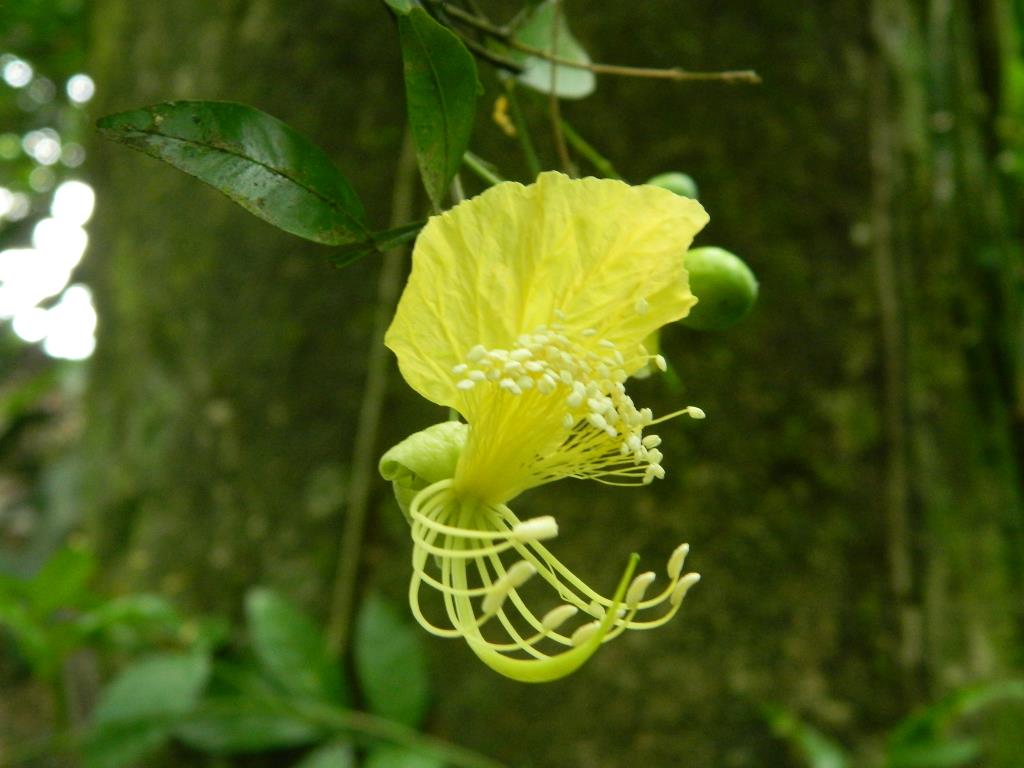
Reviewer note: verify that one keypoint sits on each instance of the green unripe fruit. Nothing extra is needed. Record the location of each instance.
(725, 288)
(680, 183)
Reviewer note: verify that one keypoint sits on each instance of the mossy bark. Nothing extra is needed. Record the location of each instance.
(852, 500)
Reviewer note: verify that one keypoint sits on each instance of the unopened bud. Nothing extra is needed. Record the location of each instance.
(725, 288)
(694, 412)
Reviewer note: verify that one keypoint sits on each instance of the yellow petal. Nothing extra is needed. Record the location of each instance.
(588, 253)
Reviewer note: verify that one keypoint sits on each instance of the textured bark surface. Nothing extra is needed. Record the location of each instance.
(854, 526)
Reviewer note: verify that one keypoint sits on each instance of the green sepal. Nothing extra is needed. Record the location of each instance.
(423, 459)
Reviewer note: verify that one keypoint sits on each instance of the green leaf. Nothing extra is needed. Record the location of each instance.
(400, 757)
(440, 88)
(390, 663)
(238, 725)
(927, 725)
(139, 708)
(330, 756)
(402, 7)
(381, 243)
(119, 745)
(949, 754)
(291, 649)
(255, 159)
(61, 582)
(164, 685)
(816, 748)
(31, 638)
(536, 31)
(126, 620)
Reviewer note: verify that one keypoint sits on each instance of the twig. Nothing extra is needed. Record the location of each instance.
(364, 451)
(504, 34)
(554, 108)
(478, 166)
(601, 163)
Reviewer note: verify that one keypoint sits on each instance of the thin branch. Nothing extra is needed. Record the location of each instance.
(522, 129)
(554, 108)
(481, 168)
(364, 451)
(601, 163)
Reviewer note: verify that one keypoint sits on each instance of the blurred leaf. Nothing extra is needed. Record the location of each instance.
(290, 647)
(816, 748)
(927, 725)
(130, 619)
(381, 242)
(30, 637)
(61, 582)
(536, 31)
(118, 745)
(164, 685)
(400, 757)
(239, 725)
(440, 89)
(139, 708)
(950, 754)
(390, 663)
(402, 6)
(255, 159)
(330, 756)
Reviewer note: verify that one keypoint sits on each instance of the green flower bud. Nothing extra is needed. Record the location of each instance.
(423, 459)
(680, 183)
(725, 288)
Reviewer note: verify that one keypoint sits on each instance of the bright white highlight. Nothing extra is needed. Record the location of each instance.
(29, 276)
(17, 73)
(80, 88)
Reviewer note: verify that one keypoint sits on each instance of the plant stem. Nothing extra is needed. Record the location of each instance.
(478, 166)
(554, 108)
(522, 129)
(364, 449)
(601, 163)
(379, 729)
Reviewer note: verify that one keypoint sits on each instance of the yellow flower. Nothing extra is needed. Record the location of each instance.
(526, 312)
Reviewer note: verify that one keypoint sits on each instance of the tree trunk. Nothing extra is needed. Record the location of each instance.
(853, 498)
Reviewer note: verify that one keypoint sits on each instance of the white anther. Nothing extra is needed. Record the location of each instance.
(525, 382)
(477, 375)
(513, 368)
(675, 563)
(460, 369)
(646, 415)
(477, 353)
(521, 354)
(536, 529)
(559, 314)
(466, 384)
(651, 441)
(575, 400)
(659, 361)
(655, 456)
(520, 572)
(638, 588)
(657, 470)
(546, 384)
(683, 587)
(566, 378)
(694, 412)
(588, 332)
(494, 599)
(568, 421)
(597, 406)
(556, 617)
(511, 386)
(584, 633)
(606, 344)
(641, 306)
(597, 420)
(534, 366)
(596, 610)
